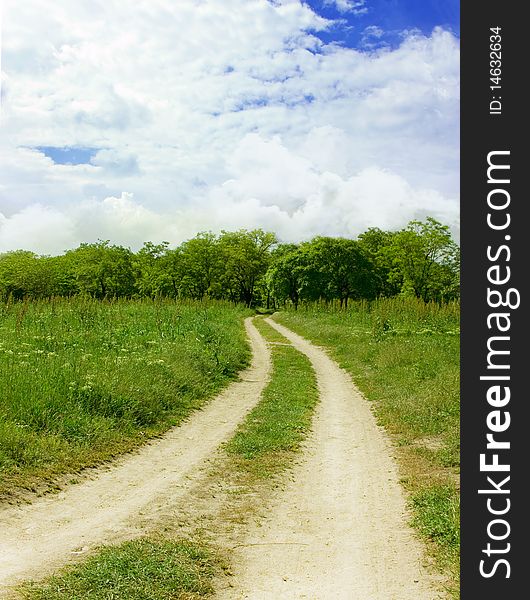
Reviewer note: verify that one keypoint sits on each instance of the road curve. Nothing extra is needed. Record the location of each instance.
(37, 538)
(338, 530)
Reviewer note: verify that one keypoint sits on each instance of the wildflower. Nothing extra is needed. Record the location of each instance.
(158, 361)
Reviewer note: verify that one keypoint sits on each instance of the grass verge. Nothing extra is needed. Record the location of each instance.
(166, 566)
(83, 380)
(404, 356)
(144, 569)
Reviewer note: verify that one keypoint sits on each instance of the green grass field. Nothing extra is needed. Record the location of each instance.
(83, 380)
(404, 357)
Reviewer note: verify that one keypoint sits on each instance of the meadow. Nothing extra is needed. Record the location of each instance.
(403, 354)
(82, 380)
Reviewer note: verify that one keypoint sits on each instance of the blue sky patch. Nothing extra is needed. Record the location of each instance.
(393, 17)
(68, 155)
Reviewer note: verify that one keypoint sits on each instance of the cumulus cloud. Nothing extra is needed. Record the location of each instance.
(37, 228)
(314, 201)
(50, 231)
(218, 114)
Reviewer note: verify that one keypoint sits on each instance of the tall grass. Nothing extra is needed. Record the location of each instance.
(404, 356)
(81, 380)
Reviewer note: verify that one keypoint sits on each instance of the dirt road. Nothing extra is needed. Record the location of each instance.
(335, 531)
(36, 538)
(338, 530)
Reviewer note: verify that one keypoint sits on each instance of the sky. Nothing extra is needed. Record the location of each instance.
(158, 119)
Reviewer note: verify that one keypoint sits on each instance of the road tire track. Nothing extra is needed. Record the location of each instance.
(338, 530)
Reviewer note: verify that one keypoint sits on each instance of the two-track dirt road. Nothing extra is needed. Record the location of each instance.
(337, 530)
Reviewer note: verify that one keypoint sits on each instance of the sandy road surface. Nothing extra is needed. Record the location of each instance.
(36, 538)
(337, 531)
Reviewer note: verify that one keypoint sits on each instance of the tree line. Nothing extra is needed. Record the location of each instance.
(250, 267)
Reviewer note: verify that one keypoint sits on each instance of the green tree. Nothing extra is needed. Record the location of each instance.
(201, 266)
(374, 244)
(245, 256)
(25, 274)
(150, 275)
(285, 275)
(103, 270)
(173, 273)
(336, 268)
(425, 260)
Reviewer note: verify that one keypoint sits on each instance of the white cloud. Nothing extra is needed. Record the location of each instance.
(36, 228)
(357, 7)
(373, 31)
(216, 114)
(316, 200)
(373, 38)
(282, 192)
(47, 230)
(116, 162)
